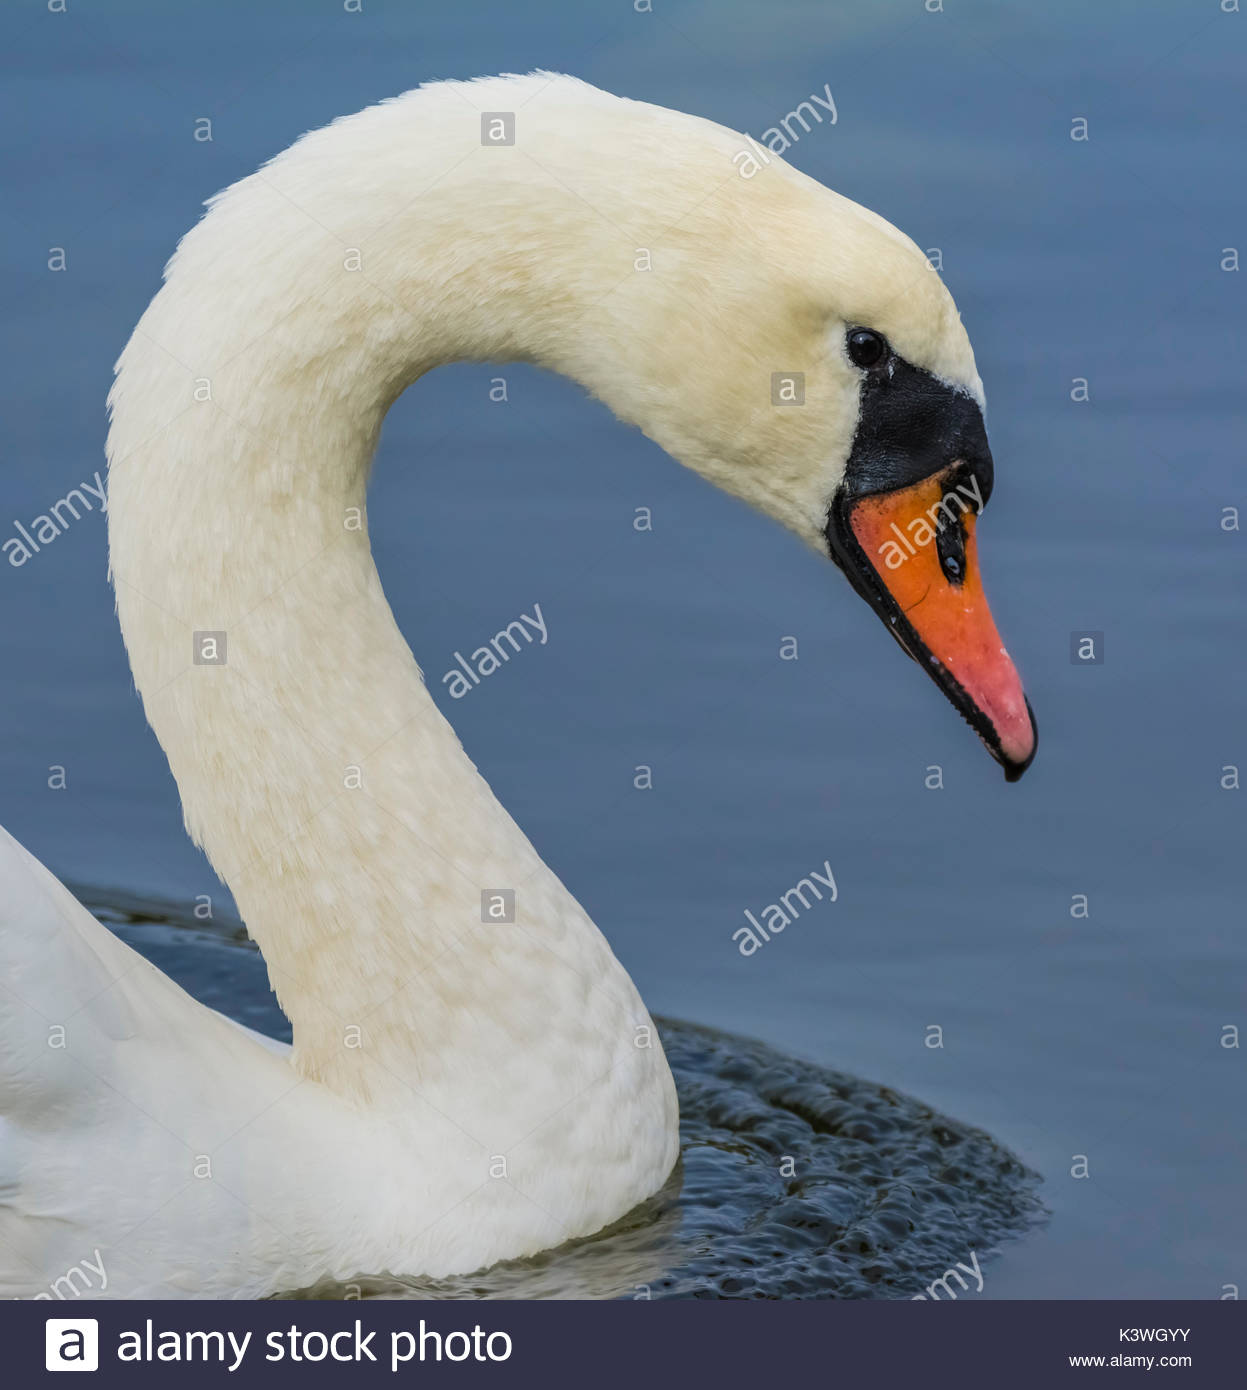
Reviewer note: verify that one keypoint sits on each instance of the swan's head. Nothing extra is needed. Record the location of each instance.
(805, 356)
(787, 344)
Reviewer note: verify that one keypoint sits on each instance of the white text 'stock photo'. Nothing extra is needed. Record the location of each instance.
(481, 899)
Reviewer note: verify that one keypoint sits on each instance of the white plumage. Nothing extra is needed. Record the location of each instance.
(457, 1092)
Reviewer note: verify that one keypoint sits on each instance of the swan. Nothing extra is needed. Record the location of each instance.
(458, 1092)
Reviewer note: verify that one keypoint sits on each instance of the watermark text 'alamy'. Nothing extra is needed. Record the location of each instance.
(778, 138)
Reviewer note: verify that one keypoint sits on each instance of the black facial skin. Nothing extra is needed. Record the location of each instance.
(911, 426)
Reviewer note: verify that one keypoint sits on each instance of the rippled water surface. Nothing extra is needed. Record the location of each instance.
(1090, 1046)
(794, 1181)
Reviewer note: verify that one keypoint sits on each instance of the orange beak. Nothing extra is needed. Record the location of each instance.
(911, 554)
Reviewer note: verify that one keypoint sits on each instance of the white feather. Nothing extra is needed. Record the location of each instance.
(457, 1093)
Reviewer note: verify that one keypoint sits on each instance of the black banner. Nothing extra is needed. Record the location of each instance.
(627, 1344)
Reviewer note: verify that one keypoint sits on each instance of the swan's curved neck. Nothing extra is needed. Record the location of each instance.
(315, 769)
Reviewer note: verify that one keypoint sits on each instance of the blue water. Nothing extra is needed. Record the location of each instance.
(1097, 259)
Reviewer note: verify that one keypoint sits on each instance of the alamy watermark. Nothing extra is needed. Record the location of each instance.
(27, 541)
(773, 918)
(67, 1285)
(922, 530)
(783, 136)
(971, 1268)
(485, 660)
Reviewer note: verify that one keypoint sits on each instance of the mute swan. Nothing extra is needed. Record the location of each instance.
(457, 1093)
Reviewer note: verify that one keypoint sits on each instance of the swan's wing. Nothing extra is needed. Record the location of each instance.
(115, 1087)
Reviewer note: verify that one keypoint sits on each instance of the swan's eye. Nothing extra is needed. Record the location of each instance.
(866, 347)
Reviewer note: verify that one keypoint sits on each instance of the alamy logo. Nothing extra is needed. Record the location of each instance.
(71, 1344)
(47, 526)
(783, 135)
(486, 660)
(798, 899)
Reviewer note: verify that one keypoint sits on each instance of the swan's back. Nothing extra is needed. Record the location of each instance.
(113, 1081)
